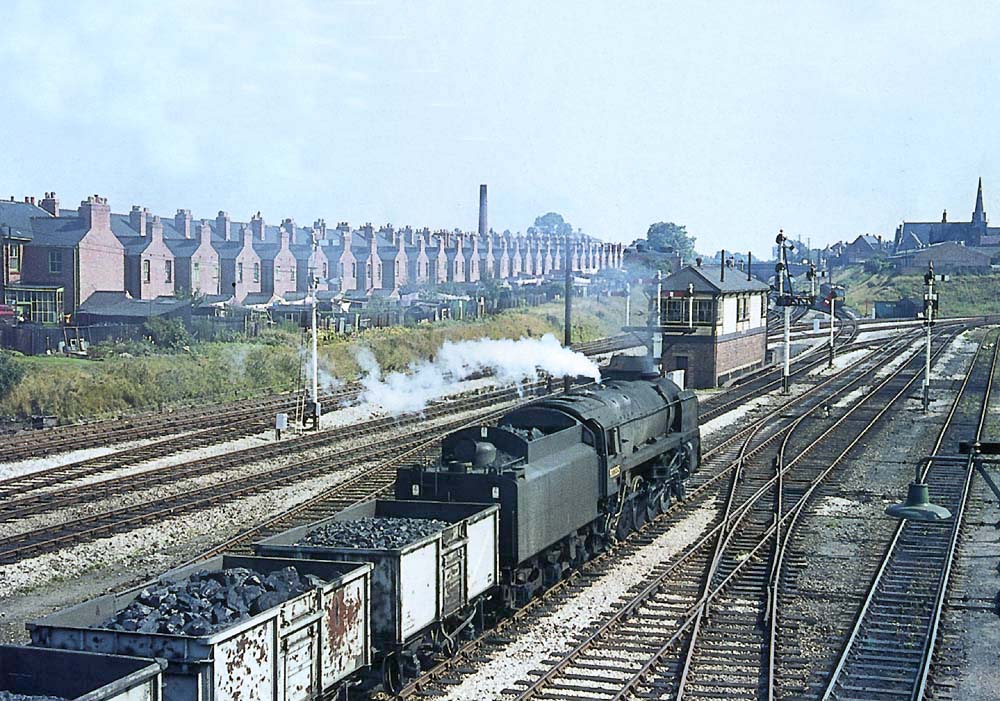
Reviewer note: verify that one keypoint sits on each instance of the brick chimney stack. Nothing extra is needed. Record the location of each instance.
(155, 228)
(257, 226)
(95, 212)
(289, 225)
(50, 203)
(182, 222)
(204, 231)
(222, 225)
(137, 219)
(319, 226)
(483, 228)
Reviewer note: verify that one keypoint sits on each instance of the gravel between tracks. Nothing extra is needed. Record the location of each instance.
(26, 467)
(556, 630)
(180, 486)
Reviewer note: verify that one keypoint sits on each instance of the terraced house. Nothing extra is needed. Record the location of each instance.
(55, 259)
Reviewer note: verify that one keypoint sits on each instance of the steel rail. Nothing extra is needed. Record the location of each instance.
(852, 638)
(803, 499)
(656, 583)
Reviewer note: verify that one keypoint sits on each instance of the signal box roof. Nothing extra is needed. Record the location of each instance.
(709, 279)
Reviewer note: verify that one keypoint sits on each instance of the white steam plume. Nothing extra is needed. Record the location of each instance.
(512, 362)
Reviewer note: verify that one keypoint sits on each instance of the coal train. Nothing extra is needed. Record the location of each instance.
(516, 506)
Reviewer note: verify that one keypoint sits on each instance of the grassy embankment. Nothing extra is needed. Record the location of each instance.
(75, 389)
(964, 295)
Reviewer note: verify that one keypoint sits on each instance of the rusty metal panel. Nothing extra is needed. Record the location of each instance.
(453, 584)
(346, 631)
(483, 565)
(299, 651)
(244, 665)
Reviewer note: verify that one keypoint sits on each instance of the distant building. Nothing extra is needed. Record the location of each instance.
(948, 257)
(714, 324)
(977, 232)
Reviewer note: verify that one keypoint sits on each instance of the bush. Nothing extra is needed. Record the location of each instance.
(167, 333)
(11, 373)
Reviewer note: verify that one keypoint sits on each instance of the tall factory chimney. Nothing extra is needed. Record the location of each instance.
(483, 229)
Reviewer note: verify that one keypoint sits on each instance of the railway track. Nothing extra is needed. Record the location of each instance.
(32, 493)
(672, 647)
(231, 420)
(102, 524)
(890, 647)
(591, 666)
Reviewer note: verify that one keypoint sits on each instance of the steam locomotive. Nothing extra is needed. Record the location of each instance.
(570, 473)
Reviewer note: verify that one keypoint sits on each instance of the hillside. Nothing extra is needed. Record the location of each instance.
(964, 295)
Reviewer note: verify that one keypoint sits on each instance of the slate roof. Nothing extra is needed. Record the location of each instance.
(58, 231)
(18, 216)
(706, 279)
(182, 247)
(122, 304)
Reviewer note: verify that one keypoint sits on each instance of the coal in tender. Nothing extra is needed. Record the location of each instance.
(389, 533)
(11, 696)
(209, 601)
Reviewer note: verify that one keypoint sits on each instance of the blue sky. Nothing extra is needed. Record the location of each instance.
(827, 119)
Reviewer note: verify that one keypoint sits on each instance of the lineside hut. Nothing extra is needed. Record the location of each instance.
(714, 324)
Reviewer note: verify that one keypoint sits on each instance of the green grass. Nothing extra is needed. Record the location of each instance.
(966, 294)
(75, 389)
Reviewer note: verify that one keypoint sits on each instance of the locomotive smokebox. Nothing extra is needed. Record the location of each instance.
(631, 367)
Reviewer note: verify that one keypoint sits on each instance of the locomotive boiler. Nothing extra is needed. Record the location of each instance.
(572, 472)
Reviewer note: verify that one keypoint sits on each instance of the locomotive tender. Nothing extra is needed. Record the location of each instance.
(570, 473)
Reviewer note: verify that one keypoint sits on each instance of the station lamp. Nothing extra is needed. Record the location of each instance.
(918, 505)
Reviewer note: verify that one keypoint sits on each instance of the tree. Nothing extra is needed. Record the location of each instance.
(664, 236)
(552, 224)
(11, 373)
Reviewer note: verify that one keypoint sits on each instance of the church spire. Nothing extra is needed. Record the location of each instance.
(979, 215)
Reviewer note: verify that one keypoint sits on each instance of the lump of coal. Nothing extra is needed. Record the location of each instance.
(208, 602)
(373, 533)
(11, 696)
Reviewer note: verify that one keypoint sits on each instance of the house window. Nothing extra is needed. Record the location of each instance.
(294, 271)
(256, 272)
(743, 308)
(168, 271)
(239, 273)
(196, 273)
(14, 258)
(354, 270)
(145, 271)
(55, 261)
(40, 305)
(704, 311)
(395, 269)
(676, 311)
(326, 271)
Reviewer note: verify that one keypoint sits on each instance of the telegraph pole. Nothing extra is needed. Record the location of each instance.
(314, 290)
